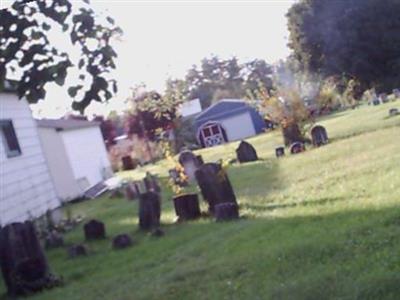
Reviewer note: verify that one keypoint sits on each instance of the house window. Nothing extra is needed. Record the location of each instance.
(9, 137)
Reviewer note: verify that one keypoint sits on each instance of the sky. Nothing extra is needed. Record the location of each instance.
(163, 39)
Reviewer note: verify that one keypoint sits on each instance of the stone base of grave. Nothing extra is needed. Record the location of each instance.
(187, 207)
(94, 230)
(121, 241)
(226, 211)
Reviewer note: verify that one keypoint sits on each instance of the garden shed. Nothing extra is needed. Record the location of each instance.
(226, 121)
(76, 155)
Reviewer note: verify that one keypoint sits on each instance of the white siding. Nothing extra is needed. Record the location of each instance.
(58, 161)
(239, 127)
(26, 188)
(87, 154)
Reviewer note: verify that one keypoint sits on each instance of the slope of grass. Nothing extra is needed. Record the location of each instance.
(324, 224)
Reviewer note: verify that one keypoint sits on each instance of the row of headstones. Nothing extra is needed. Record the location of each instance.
(319, 137)
(383, 97)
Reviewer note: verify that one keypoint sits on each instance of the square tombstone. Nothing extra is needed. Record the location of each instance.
(127, 163)
(94, 230)
(393, 112)
(149, 210)
(190, 163)
(279, 151)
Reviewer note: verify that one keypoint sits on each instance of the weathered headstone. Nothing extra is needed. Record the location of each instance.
(279, 151)
(393, 112)
(214, 185)
(127, 163)
(297, 147)
(121, 241)
(246, 152)
(149, 210)
(54, 240)
(226, 211)
(77, 250)
(383, 98)
(187, 207)
(22, 260)
(94, 230)
(396, 93)
(319, 135)
(190, 163)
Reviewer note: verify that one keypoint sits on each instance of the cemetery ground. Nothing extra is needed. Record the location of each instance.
(323, 224)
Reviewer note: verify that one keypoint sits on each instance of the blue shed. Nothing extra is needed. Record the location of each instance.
(226, 121)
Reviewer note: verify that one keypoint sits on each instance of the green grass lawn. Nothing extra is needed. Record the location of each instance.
(324, 224)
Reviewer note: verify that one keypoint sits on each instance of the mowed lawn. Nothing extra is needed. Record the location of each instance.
(324, 224)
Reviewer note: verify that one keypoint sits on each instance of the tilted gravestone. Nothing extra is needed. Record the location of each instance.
(22, 260)
(297, 147)
(246, 152)
(394, 112)
(187, 207)
(94, 230)
(190, 163)
(319, 135)
(279, 151)
(214, 185)
(149, 210)
(226, 211)
(121, 241)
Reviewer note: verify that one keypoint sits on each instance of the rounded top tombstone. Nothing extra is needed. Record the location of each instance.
(319, 135)
(94, 229)
(246, 152)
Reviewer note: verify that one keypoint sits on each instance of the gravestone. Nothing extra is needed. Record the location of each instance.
(393, 112)
(214, 185)
(376, 101)
(149, 210)
(22, 260)
(127, 163)
(151, 183)
(54, 240)
(319, 135)
(383, 98)
(190, 163)
(279, 151)
(396, 93)
(187, 207)
(297, 147)
(77, 250)
(121, 241)
(246, 152)
(94, 230)
(226, 211)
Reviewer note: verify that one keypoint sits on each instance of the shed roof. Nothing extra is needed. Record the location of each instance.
(62, 124)
(222, 108)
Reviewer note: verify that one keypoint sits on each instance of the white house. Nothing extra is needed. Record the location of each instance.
(76, 155)
(26, 187)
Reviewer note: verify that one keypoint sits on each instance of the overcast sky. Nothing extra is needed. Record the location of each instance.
(164, 39)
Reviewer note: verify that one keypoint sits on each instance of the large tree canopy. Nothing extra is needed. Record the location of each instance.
(27, 55)
(357, 39)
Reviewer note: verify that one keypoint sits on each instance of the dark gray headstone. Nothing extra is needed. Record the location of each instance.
(187, 207)
(246, 152)
(127, 163)
(190, 163)
(149, 210)
(214, 185)
(376, 101)
(226, 211)
(121, 241)
(77, 250)
(22, 260)
(297, 147)
(94, 230)
(393, 112)
(319, 135)
(279, 151)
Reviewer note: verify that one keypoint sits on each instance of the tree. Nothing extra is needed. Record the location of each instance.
(26, 53)
(357, 39)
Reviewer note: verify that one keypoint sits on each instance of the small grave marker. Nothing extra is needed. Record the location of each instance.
(121, 241)
(297, 147)
(279, 151)
(94, 230)
(246, 152)
(187, 207)
(77, 250)
(393, 112)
